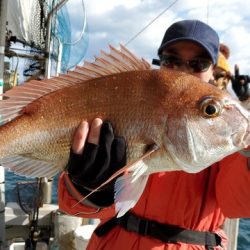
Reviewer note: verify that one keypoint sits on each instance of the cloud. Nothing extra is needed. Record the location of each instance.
(114, 22)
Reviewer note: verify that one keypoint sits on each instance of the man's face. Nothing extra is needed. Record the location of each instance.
(188, 52)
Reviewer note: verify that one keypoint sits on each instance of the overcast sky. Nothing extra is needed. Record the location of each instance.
(117, 21)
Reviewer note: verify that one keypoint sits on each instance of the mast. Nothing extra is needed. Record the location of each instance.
(3, 17)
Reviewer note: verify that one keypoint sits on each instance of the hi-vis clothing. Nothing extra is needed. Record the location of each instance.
(198, 202)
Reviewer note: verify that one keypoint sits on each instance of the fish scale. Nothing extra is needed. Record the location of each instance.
(66, 107)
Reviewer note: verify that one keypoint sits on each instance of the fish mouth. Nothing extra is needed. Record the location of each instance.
(246, 138)
(242, 140)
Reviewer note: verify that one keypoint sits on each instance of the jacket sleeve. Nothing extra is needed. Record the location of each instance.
(233, 186)
(70, 201)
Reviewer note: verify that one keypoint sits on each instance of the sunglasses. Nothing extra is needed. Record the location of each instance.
(196, 65)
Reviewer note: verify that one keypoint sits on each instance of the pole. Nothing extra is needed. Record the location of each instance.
(3, 19)
(231, 228)
(2, 208)
(59, 58)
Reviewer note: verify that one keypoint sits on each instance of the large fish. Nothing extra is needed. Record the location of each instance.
(191, 124)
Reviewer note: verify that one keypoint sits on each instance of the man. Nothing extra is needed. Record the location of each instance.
(177, 210)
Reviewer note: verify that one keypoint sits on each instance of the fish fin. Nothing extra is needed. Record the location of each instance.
(128, 168)
(16, 99)
(129, 188)
(30, 167)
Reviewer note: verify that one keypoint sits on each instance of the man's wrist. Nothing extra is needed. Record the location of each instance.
(99, 199)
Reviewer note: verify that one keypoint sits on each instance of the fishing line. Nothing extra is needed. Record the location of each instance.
(136, 35)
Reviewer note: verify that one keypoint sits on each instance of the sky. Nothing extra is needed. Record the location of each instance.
(117, 21)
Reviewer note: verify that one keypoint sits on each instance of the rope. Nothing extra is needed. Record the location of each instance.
(83, 28)
(136, 35)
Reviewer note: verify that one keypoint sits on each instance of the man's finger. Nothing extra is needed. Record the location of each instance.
(236, 70)
(94, 132)
(80, 137)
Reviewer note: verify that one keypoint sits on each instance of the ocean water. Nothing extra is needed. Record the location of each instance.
(10, 184)
(244, 235)
(10, 195)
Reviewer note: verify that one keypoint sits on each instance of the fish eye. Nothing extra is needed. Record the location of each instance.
(210, 107)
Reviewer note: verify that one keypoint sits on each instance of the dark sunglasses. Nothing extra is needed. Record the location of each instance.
(196, 65)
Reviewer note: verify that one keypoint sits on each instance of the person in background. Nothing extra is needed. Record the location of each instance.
(177, 210)
(241, 84)
(222, 73)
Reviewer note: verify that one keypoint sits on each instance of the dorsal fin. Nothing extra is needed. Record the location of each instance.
(116, 61)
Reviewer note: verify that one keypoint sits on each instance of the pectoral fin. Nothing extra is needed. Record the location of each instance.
(129, 188)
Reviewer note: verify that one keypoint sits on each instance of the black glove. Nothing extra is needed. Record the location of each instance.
(241, 85)
(96, 164)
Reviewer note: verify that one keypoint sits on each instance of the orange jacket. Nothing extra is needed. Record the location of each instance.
(194, 201)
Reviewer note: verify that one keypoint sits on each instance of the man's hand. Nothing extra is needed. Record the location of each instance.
(241, 84)
(95, 155)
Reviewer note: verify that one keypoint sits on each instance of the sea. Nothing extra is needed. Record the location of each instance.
(11, 181)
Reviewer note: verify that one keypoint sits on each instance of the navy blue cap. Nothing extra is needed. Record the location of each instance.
(193, 30)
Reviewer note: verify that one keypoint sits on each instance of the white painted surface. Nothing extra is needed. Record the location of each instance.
(82, 235)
